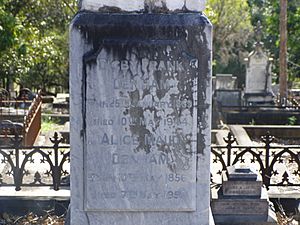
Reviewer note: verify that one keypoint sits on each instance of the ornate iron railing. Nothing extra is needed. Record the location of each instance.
(28, 112)
(32, 121)
(290, 102)
(23, 166)
(279, 165)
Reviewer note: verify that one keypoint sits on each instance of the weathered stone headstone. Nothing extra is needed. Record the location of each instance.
(140, 113)
(241, 199)
(225, 82)
(224, 90)
(229, 98)
(258, 88)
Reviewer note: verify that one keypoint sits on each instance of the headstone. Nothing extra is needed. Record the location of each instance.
(225, 92)
(258, 89)
(241, 199)
(225, 82)
(140, 113)
(230, 98)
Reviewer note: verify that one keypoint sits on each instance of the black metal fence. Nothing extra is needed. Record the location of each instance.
(34, 166)
(279, 165)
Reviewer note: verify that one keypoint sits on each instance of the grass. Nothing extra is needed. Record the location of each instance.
(50, 124)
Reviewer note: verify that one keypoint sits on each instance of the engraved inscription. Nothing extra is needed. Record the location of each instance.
(141, 123)
(242, 188)
(241, 207)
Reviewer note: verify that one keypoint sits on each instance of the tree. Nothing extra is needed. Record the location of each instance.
(232, 28)
(283, 50)
(268, 11)
(8, 28)
(37, 53)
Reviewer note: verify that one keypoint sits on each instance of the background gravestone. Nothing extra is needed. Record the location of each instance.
(241, 200)
(258, 87)
(140, 114)
(225, 82)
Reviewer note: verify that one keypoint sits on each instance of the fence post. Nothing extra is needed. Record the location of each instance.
(17, 172)
(56, 170)
(267, 173)
(229, 140)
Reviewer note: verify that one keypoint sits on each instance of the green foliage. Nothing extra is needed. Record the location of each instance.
(268, 11)
(292, 120)
(232, 27)
(233, 22)
(50, 124)
(33, 42)
(7, 28)
(34, 50)
(252, 122)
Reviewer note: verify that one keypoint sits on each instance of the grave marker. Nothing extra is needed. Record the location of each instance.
(140, 115)
(241, 200)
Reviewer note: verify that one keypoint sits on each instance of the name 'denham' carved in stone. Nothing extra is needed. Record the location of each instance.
(141, 118)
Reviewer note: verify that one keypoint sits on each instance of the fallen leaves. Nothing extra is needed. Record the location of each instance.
(31, 219)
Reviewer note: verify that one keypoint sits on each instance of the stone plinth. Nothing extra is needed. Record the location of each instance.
(241, 199)
(240, 210)
(140, 118)
(241, 182)
(245, 188)
(240, 174)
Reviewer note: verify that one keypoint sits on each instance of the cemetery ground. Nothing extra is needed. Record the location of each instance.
(36, 205)
(143, 109)
(43, 205)
(32, 204)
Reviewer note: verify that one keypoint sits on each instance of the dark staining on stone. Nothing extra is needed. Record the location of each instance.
(150, 7)
(109, 9)
(147, 35)
(83, 96)
(146, 92)
(134, 97)
(180, 155)
(160, 79)
(138, 27)
(141, 131)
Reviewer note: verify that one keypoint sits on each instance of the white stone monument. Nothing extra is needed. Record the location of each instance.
(225, 82)
(140, 88)
(258, 88)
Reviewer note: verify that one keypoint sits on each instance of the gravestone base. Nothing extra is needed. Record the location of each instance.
(240, 209)
(259, 99)
(245, 220)
(241, 199)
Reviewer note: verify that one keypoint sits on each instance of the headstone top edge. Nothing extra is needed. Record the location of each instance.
(91, 19)
(164, 6)
(241, 173)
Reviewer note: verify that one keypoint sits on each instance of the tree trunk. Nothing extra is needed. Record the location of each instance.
(283, 51)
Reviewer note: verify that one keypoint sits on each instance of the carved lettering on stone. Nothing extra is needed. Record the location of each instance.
(141, 123)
